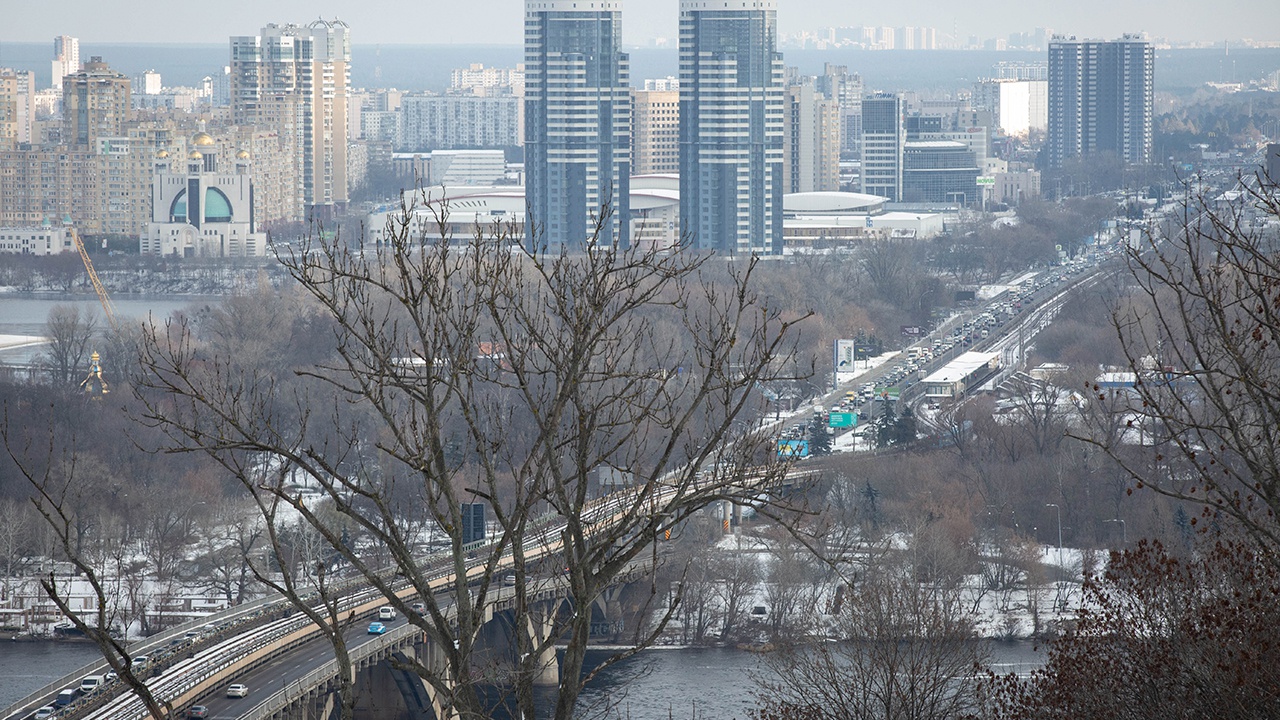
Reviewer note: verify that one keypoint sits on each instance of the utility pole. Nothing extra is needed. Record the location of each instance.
(1060, 600)
(1059, 511)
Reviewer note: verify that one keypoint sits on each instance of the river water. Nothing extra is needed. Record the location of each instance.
(660, 684)
(24, 314)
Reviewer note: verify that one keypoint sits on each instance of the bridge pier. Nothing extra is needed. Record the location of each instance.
(546, 667)
(432, 657)
(378, 697)
(322, 707)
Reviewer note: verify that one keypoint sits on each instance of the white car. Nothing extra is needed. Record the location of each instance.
(237, 690)
(45, 712)
(386, 612)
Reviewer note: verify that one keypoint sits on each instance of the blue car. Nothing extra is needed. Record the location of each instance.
(377, 628)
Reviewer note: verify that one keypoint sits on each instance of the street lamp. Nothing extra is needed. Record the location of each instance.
(1124, 531)
(1059, 511)
(1061, 600)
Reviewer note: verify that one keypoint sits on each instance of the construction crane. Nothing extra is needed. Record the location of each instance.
(107, 308)
(95, 367)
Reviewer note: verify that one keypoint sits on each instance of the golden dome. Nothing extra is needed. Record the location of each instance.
(242, 155)
(202, 139)
(162, 154)
(195, 155)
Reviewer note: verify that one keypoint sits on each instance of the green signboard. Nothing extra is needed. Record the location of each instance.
(842, 420)
(891, 393)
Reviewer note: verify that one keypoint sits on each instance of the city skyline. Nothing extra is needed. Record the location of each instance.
(442, 23)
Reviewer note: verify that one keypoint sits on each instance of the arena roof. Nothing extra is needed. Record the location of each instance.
(831, 203)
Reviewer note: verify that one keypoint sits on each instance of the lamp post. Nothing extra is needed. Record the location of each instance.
(1060, 601)
(1059, 511)
(1124, 531)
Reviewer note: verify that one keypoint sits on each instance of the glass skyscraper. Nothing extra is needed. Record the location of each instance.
(731, 126)
(577, 123)
(882, 139)
(1101, 98)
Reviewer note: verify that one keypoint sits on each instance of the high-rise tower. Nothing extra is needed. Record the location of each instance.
(295, 79)
(95, 104)
(883, 135)
(66, 59)
(577, 123)
(811, 141)
(731, 125)
(1101, 98)
(17, 107)
(656, 137)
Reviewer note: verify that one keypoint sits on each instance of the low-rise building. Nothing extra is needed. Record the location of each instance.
(45, 239)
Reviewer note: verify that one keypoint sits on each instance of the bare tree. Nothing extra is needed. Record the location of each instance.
(739, 575)
(15, 524)
(791, 588)
(1200, 337)
(906, 651)
(1039, 410)
(479, 373)
(1161, 636)
(59, 485)
(69, 333)
(231, 541)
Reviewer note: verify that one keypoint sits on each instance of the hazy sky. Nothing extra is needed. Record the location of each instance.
(500, 21)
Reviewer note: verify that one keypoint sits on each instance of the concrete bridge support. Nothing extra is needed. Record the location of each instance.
(324, 706)
(547, 667)
(379, 697)
(434, 659)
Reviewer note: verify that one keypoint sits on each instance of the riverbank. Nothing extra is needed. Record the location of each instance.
(136, 276)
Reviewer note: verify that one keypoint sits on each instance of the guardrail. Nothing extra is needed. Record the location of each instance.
(159, 641)
(297, 689)
(286, 696)
(252, 611)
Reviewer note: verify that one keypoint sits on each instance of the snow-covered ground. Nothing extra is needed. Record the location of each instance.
(13, 342)
(1016, 611)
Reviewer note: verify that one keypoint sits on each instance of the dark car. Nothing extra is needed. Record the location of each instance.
(198, 711)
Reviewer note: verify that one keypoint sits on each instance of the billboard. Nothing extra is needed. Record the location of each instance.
(473, 522)
(846, 353)
(793, 448)
(911, 330)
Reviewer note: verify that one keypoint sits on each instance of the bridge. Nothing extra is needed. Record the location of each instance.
(289, 665)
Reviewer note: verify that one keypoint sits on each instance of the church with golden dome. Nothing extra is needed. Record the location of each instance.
(204, 211)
